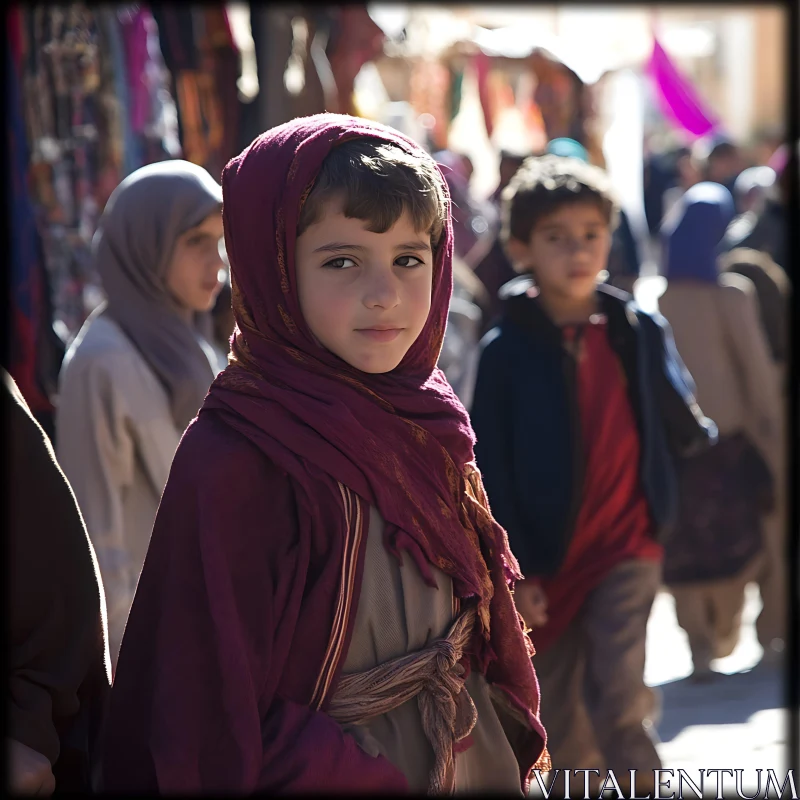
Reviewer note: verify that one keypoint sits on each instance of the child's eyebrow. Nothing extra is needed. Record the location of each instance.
(419, 247)
(338, 247)
(555, 226)
(200, 234)
(552, 226)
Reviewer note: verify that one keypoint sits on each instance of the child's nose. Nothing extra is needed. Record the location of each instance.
(578, 246)
(381, 290)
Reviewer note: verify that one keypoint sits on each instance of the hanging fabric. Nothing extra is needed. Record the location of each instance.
(482, 64)
(224, 69)
(456, 91)
(429, 93)
(677, 97)
(200, 53)
(355, 40)
(35, 353)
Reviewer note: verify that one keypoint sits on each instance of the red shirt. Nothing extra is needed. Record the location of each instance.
(614, 522)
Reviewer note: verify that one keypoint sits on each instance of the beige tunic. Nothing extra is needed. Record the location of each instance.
(399, 613)
(719, 336)
(115, 440)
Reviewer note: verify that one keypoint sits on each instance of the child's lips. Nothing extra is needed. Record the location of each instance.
(380, 334)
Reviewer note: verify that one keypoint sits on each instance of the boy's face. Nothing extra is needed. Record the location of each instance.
(566, 251)
(365, 296)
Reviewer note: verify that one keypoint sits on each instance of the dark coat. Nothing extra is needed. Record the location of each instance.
(59, 683)
(526, 417)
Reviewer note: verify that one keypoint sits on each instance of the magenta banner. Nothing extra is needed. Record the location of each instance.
(677, 97)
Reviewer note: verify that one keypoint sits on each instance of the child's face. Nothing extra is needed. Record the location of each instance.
(567, 250)
(365, 296)
(193, 273)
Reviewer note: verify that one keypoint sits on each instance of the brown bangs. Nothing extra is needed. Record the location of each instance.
(377, 182)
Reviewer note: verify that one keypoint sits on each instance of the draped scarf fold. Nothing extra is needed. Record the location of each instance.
(401, 440)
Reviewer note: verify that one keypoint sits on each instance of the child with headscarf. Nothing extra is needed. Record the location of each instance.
(716, 548)
(326, 604)
(138, 370)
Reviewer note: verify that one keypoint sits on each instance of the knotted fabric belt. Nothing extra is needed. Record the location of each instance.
(435, 678)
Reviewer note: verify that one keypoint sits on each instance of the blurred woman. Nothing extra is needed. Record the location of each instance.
(138, 370)
(773, 290)
(717, 547)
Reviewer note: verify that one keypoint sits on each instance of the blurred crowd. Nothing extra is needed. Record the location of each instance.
(137, 371)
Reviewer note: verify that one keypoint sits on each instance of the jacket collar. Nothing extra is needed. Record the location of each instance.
(523, 308)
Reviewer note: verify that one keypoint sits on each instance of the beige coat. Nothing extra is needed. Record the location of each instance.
(115, 440)
(720, 338)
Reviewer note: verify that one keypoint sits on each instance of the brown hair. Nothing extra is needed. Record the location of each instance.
(544, 184)
(378, 182)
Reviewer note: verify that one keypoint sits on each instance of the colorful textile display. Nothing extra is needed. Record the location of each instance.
(482, 63)
(558, 95)
(28, 286)
(355, 39)
(429, 93)
(91, 103)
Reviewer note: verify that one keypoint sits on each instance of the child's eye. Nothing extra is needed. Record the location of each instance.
(418, 261)
(591, 235)
(340, 263)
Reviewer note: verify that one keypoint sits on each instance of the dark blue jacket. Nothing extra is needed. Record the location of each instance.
(526, 417)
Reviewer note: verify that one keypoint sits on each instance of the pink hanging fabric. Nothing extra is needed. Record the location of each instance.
(677, 97)
(483, 64)
(135, 33)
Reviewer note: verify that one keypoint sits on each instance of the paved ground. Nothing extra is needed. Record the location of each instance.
(735, 722)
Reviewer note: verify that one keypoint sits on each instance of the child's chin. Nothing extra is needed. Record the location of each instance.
(581, 288)
(374, 366)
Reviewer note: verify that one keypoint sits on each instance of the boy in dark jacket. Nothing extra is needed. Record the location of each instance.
(581, 404)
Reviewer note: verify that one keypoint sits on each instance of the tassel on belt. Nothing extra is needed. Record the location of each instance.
(435, 678)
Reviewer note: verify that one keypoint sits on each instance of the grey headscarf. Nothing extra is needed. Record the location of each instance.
(133, 247)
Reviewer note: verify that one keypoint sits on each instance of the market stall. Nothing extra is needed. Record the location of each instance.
(94, 93)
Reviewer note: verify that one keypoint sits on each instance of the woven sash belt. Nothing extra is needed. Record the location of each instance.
(435, 678)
